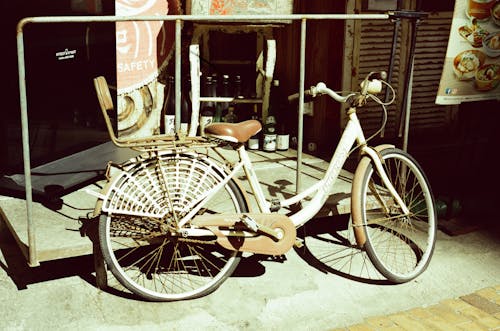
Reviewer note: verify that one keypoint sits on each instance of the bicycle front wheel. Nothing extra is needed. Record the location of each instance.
(400, 245)
(150, 256)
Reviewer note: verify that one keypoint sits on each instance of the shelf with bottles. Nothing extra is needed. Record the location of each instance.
(233, 106)
(259, 63)
(241, 102)
(231, 85)
(220, 92)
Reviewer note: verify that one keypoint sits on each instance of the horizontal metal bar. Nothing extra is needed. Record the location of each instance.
(209, 18)
(410, 14)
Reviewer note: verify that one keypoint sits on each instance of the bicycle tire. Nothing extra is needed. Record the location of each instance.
(399, 246)
(144, 254)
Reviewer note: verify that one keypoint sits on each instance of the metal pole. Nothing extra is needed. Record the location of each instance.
(405, 121)
(177, 75)
(408, 109)
(300, 133)
(395, 34)
(33, 260)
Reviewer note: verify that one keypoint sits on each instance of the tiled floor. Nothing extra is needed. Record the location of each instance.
(477, 311)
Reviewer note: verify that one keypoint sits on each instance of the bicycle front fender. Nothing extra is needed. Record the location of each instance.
(356, 196)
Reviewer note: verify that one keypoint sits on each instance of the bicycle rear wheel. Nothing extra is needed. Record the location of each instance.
(399, 245)
(147, 254)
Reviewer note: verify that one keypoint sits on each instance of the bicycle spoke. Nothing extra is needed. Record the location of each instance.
(338, 253)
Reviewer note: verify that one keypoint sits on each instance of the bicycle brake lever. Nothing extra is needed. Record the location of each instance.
(381, 75)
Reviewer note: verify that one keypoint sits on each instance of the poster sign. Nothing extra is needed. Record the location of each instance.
(471, 70)
(143, 49)
(239, 7)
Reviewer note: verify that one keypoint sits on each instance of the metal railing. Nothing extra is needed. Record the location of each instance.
(243, 19)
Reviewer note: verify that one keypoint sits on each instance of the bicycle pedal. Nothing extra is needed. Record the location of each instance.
(250, 223)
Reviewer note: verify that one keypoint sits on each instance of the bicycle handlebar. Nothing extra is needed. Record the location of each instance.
(321, 89)
(372, 84)
(307, 96)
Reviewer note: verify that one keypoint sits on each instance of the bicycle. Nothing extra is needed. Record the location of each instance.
(174, 222)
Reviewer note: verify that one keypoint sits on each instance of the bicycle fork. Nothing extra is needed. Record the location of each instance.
(373, 155)
(377, 160)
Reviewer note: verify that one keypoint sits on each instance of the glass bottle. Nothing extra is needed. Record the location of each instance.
(282, 138)
(217, 117)
(269, 141)
(238, 89)
(224, 91)
(270, 132)
(231, 116)
(253, 142)
(167, 125)
(207, 111)
(185, 108)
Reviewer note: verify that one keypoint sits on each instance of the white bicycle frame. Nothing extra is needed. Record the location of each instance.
(352, 134)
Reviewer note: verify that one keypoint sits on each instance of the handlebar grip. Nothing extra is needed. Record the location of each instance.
(373, 86)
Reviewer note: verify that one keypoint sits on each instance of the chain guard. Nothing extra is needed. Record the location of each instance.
(232, 233)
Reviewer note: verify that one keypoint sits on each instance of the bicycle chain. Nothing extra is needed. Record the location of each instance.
(196, 241)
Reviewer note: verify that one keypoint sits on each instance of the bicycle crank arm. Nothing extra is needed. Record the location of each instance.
(270, 234)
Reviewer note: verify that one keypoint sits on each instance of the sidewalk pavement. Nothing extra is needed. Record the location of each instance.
(309, 289)
(477, 311)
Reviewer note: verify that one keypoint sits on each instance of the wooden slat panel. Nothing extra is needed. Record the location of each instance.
(432, 40)
(374, 43)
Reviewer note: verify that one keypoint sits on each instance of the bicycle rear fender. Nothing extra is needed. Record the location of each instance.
(113, 171)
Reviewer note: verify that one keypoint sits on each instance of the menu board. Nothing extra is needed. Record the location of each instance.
(471, 71)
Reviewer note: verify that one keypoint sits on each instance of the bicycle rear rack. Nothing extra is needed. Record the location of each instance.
(151, 143)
